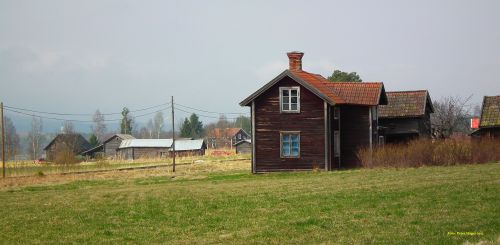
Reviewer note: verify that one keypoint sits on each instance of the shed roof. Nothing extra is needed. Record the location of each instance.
(153, 143)
(406, 104)
(490, 113)
(189, 145)
(249, 141)
(121, 136)
(77, 139)
(357, 93)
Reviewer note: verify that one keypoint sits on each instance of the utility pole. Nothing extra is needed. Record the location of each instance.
(173, 135)
(3, 140)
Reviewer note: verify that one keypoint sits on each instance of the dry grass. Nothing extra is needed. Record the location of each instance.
(426, 152)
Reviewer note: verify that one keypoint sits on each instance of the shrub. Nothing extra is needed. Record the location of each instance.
(66, 156)
(425, 152)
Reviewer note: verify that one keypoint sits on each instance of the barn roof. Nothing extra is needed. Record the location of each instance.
(121, 136)
(355, 93)
(153, 143)
(189, 145)
(249, 141)
(77, 139)
(490, 113)
(406, 104)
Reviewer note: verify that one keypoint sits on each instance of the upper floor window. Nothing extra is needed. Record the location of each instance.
(290, 99)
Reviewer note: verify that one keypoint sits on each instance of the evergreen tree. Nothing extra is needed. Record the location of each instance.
(196, 126)
(93, 140)
(126, 123)
(186, 129)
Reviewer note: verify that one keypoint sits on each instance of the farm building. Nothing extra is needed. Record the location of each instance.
(243, 147)
(489, 123)
(406, 116)
(108, 147)
(185, 148)
(131, 149)
(75, 143)
(225, 137)
(302, 121)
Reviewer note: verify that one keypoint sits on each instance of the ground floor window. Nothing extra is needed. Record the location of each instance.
(290, 144)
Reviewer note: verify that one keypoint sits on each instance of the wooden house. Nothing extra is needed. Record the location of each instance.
(226, 137)
(108, 148)
(75, 143)
(406, 116)
(243, 147)
(489, 123)
(302, 121)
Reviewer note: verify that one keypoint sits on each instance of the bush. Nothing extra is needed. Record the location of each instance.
(65, 156)
(426, 152)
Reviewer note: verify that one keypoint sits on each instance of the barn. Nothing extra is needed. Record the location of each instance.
(76, 143)
(406, 116)
(489, 123)
(302, 121)
(131, 149)
(184, 148)
(243, 147)
(109, 147)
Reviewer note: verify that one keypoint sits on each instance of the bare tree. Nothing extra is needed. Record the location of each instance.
(451, 115)
(68, 127)
(12, 145)
(158, 123)
(35, 137)
(150, 128)
(99, 128)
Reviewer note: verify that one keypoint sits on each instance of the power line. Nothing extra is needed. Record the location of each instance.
(213, 112)
(81, 121)
(201, 115)
(82, 114)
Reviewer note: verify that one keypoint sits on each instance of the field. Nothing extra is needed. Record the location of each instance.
(221, 202)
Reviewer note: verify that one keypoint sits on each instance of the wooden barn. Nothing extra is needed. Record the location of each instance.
(243, 147)
(406, 116)
(76, 143)
(131, 149)
(109, 147)
(184, 148)
(489, 124)
(302, 121)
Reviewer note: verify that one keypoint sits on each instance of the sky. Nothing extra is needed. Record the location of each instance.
(79, 56)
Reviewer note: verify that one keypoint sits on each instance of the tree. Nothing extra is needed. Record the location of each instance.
(93, 140)
(158, 124)
(150, 128)
(126, 123)
(68, 127)
(223, 122)
(12, 144)
(450, 115)
(186, 128)
(35, 137)
(244, 123)
(196, 126)
(340, 76)
(99, 128)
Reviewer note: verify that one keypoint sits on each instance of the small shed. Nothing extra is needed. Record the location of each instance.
(243, 147)
(185, 148)
(406, 116)
(489, 124)
(131, 149)
(76, 143)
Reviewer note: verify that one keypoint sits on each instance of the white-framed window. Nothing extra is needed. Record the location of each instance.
(290, 99)
(336, 140)
(290, 144)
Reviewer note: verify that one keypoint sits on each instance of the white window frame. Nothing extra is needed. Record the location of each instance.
(289, 99)
(336, 140)
(282, 133)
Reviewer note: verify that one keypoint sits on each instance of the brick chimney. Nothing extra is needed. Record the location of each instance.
(295, 60)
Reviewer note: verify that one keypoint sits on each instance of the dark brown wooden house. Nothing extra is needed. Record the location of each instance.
(302, 121)
(406, 116)
(489, 124)
(76, 143)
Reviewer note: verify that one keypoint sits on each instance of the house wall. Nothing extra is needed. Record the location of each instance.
(269, 122)
(200, 152)
(142, 153)
(354, 133)
(111, 146)
(244, 148)
(404, 129)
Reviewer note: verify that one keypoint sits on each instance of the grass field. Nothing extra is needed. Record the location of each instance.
(218, 204)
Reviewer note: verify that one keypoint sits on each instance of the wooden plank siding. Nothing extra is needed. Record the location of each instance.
(269, 122)
(354, 133)
(111, 146)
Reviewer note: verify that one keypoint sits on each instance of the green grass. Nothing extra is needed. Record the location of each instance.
(382, 206)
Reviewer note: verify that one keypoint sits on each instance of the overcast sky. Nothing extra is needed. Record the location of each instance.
(79, 56)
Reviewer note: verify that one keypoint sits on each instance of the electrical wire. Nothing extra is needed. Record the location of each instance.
(213, 112)
(201, 115)
(83, 114)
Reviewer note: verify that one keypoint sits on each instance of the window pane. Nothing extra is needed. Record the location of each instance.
(294, 92)
(294, 99)
(293, 107)
(285, 107)
(286, 92)
(286, 138)
(286, 149)
(295, 152)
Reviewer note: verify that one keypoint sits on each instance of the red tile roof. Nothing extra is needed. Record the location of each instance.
(406, 104)
(356, 93)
